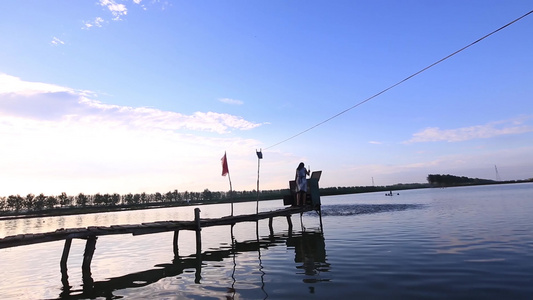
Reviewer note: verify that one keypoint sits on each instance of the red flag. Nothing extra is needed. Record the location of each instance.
(225, 169)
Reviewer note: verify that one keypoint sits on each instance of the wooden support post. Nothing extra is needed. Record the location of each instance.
(88, 282)
(64, 257)
(198, 231)
(270, 228)
(90, 246)
(198, 274)
(175, 243)
(197, 219)
(289, 221)
(257, 232)
(320, 216)
(63, 267)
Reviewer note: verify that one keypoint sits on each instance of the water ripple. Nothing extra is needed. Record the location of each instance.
(358, 209)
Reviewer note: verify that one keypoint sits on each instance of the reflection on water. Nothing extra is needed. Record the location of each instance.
(309, 255)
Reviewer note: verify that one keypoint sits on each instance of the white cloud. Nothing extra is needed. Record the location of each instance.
(231, 101)
(117, 10)
(98, 21)
(45, 101)
(14, 85)
(57, 41)
(58, 139)
(493, 129)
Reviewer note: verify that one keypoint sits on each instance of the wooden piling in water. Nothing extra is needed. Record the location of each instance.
(289, 221)
(90, 246)
(64, 256)
(198, 231)
(175, 246)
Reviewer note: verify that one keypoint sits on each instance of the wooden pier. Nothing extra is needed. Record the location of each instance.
(106, 288)
(91, 233)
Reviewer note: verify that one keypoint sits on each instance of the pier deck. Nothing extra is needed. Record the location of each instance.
(91, 234)
(144, 228)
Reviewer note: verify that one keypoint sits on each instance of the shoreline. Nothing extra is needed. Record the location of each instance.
(66, 211)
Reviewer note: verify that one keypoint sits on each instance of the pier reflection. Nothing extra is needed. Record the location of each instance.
(310, 257)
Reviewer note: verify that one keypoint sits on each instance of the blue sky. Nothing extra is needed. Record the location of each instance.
(146, 96)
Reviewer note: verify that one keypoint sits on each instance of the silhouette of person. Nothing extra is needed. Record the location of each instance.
(301, 184)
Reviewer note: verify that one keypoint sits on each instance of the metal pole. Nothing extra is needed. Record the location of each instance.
(257, 203)
(230, 193)
(259, 157)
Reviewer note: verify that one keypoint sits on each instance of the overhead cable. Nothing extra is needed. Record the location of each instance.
(399, 82)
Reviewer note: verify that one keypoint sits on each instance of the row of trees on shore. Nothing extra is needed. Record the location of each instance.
(36, 203)
(17, 204)
(452, 180)
(29, 204)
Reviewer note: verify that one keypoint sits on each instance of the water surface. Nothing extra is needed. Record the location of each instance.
(460, 243)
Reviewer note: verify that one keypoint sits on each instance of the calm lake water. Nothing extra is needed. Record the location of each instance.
(454, 243)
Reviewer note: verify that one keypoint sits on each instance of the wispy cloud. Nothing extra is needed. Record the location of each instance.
(117, 10)
(56, 41)
(11, 85)
(86, 142)
(490, 130)
(48, 101)
(97, 22)
(231, 101)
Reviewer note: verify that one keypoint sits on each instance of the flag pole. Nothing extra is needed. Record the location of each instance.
(259, 157)
(230, 193)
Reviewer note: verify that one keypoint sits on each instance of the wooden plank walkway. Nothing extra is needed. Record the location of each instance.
(91, 233)
(144, 228)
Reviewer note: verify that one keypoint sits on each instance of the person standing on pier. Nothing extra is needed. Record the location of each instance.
(301, 184)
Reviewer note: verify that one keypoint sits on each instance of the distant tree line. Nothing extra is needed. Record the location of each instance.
(31, 204)
(369, 189)
(451, 180)
(17, 204)
(43, 204)
(439, 180)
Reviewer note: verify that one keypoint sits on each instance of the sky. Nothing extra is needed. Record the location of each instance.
(111, 96)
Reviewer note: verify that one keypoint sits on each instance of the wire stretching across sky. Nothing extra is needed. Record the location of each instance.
(399, 82)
